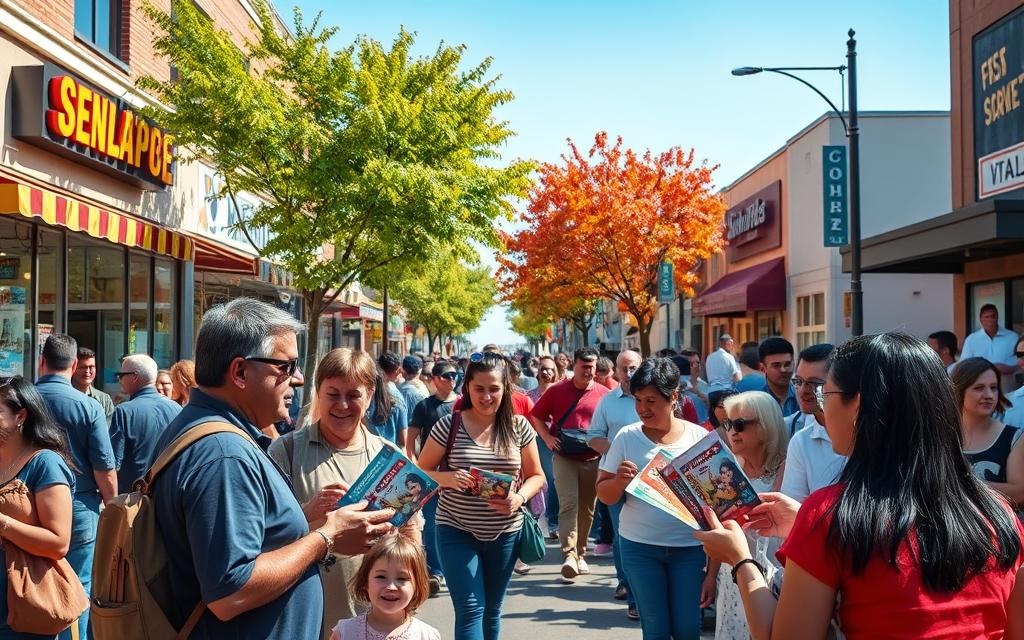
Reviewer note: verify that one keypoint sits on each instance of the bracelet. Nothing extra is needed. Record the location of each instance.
(328, 542)
(747, 561)
(516, 493)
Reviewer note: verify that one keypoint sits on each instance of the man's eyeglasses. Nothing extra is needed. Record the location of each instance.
(284, 367)
(738, 425)
(799, 382)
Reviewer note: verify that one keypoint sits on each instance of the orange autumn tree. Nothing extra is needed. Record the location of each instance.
(604, 221)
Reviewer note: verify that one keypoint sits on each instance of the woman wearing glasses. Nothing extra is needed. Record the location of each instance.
(664, 564)
(757, 435)
(909, 542)
(994, 449)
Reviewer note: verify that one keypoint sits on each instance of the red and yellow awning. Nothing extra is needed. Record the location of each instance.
(119, 228)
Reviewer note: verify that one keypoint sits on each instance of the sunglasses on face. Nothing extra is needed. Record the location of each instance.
(738, 425)
(451, 375)
(1019, 354)
(284, 367)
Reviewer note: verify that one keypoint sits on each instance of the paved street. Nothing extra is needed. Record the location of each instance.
(537, 607)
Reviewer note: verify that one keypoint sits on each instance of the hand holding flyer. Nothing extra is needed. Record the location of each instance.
(392, 481)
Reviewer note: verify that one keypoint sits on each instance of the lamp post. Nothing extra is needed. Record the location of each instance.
(853, 135)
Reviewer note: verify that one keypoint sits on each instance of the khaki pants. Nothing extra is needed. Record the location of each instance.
(576, 484)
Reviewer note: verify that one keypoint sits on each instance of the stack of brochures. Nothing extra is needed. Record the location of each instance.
(392, 481)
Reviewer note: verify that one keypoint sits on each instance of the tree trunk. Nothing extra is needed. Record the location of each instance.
(645, 341)
(430, 342)
(314, 303)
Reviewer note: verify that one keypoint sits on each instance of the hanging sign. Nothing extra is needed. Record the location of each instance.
(666, 283)
(834, 189)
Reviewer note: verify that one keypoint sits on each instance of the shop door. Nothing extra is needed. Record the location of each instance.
(744, 331)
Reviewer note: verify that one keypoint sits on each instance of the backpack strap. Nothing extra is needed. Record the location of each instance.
(182, 442)
(193, 620)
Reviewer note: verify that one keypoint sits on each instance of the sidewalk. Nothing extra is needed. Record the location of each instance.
(537, 607)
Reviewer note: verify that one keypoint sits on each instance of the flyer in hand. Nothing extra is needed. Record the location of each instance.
(489, 485)
(707, 474)
(392, 481)
(649, 486)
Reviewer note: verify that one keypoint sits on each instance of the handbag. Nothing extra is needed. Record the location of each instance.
(44, 596)
(531, 539)
(568, 443)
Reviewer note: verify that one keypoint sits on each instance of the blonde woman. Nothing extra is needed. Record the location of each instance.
(183, 379)
(757, 434)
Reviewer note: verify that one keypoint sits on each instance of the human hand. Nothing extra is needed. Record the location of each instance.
(775, 515)
(507, 506)
(552, 442)
(326, 500)
(627, 471)
(708, 590)
(354, 530)
(725, 542)
(460, 479)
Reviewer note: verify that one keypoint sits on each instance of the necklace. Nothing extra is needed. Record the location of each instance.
(369, 633)
(7, 471)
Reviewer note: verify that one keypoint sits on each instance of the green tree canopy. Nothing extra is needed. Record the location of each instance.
(366, 158)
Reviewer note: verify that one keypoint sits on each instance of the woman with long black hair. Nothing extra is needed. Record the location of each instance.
(909, 540)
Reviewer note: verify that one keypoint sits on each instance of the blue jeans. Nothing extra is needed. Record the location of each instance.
(430, 537)
(551, 511)
(615, 511)
(85, 516)
(666, 583)
(477, 574)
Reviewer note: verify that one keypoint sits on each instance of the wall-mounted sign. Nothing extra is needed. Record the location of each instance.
(833, 169)
(666, 283)
(755, 224)
(998, 64)
(9, 268)
(56, 111)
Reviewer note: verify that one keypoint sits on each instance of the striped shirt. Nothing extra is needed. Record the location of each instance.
(472, 513)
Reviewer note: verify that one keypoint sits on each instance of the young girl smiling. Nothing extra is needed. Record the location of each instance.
(393, 581)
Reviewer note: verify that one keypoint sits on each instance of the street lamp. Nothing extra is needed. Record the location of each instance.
(853, 135)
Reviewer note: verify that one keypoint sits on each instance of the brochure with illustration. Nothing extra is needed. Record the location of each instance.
(651, 488)
(707, 474)
(489, 485)
(392, 481)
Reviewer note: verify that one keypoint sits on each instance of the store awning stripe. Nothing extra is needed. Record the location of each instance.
(55, 209)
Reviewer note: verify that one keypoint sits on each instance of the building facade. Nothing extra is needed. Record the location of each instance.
(777, 277)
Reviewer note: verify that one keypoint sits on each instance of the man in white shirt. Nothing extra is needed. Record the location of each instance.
(1014, 416)
(614, 411)
(811, 464)
(943, 343)
(722, 369)
(994, 343)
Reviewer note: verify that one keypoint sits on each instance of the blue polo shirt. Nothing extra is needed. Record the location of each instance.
(83, 421)
(790, 406)
(219, 505)
(134, 430)
(397, 420)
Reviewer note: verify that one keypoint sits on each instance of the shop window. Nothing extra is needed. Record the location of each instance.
(138, 306)
(810, 320)
(50, 281)
(96, 293)
(1015, 319)
(98, 22)
(987, 293)
(15, 298)
(165, 279)
(769, 324)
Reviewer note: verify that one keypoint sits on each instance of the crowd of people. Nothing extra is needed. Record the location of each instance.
(890, 474)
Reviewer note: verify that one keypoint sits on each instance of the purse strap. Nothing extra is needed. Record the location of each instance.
(453, 432)
(572, 408)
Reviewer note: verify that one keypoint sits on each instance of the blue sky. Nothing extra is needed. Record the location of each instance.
(657, 73)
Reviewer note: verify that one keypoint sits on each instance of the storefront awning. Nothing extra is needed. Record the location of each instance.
(758, 288)
(213, 256)
(984, 230)
(56, 209)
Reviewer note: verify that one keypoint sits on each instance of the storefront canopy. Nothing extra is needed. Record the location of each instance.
(214, 256)
(758, 288)
(987, 229)
(56, 209)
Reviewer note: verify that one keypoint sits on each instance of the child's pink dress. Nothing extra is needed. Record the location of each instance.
(358, 629)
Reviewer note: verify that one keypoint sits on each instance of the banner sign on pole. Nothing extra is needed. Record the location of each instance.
(833, 165)
(666, 283)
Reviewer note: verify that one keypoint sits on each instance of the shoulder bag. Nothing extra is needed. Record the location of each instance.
(570, 443)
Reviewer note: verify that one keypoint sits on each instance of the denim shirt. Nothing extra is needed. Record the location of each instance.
(219, 505)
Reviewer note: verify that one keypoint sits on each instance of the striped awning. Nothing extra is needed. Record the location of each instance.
(119, 228)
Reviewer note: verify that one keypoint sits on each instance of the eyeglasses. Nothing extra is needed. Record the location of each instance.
(739, 424)
(451, 375)
(121, 374)
(1019, 354)
(799, 382)
(284, 367)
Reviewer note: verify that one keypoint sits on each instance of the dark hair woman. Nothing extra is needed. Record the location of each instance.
(994, 449)
(33, 451)
(478, 539)
(913, 544)
(716, 411)
(664, 564)
(388, 415)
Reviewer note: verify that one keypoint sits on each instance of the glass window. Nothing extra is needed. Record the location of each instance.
(96, 280)
(1015, 315)
(50, 281)
(138, 292)
(99, 22)
(15, 298)
(165, 279)
(810, 320)
(987, 293)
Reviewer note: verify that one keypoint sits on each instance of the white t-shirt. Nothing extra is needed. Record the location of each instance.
(722, 369)
(997, 350)
(811, 464)
(640, 522)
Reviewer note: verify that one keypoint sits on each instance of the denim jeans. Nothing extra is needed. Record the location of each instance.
(615, 511)
(602, 530)
(430, 537)
(549, 474)
(666, 583)
(85, 516)
(477, 574)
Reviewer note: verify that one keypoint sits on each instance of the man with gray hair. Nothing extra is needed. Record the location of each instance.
(239, 548)
(137, 423)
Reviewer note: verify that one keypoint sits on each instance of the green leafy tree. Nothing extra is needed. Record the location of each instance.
(367, 158)
(532, 327)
